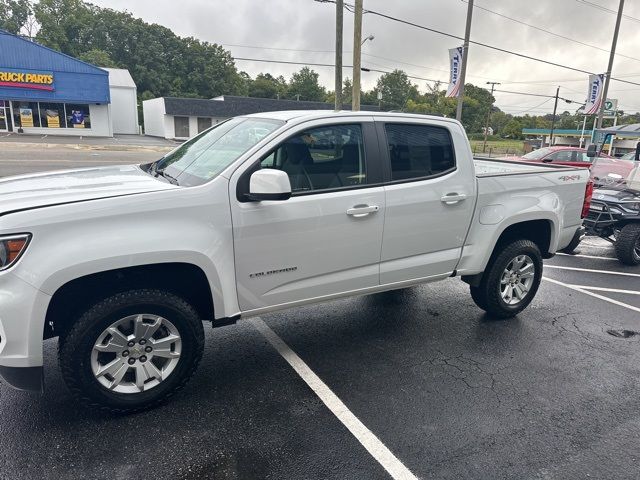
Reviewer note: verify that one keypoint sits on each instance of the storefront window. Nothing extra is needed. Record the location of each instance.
(181, 125)
(52, 115)
(78, 116)
(25, 114)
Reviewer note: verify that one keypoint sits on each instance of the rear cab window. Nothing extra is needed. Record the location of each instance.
(419, 151)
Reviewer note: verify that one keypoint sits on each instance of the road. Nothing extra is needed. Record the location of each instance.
(16, 159)
(447, 392)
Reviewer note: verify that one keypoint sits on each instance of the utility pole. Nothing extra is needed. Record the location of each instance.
(465, 51)
(610, 67)
(486, 125)
(339, 24)
(553, 120)
(357, 58)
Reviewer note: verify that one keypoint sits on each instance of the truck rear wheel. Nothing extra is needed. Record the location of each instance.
(628, 244)
(131, 351)
(510, 281)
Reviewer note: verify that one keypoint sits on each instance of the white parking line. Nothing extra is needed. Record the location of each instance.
(591, 294)
(611, 290)
(374, 446)
(576, 269)
(579, 255)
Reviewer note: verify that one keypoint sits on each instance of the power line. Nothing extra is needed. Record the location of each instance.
(608, 10)
(550, 32)
(492, 47)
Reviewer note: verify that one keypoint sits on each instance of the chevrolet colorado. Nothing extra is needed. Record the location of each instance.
(257, 214)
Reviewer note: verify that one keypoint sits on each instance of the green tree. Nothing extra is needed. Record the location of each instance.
(266, 85)
(396, 90)
(513, 129)
(100, 58)
(14, 15)
(304, 85)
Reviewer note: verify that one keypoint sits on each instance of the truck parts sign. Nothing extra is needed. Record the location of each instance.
(26, 79)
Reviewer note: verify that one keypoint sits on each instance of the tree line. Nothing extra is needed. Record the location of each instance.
(164, 64)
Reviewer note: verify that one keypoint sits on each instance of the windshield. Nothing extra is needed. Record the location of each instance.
(203, 157)
(537, 154)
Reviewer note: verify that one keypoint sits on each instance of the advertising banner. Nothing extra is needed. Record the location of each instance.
(594, 95)
(26, 117)
(455, 57)
(53, 118)
(77, 119)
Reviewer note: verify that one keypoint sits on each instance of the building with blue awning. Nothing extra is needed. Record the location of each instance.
(43, 91)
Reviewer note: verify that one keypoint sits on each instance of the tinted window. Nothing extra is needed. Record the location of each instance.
(561, 156)
(418, 151)
(321, 158)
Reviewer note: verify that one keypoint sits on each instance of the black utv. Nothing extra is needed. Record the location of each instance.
(615, 214)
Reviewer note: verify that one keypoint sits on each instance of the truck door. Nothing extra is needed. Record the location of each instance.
(430, 199)
(326, 238)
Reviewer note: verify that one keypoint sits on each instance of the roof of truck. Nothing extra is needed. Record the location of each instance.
(287, 115)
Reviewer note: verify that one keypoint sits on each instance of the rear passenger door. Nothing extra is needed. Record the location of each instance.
(326, 238)
(430, 198)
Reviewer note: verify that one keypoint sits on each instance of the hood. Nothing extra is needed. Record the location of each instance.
(611, 195)
(26, 192)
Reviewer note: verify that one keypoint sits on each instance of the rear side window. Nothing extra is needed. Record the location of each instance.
(419, 151)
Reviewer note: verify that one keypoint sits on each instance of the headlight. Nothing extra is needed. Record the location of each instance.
(11, 248)
(634, 207)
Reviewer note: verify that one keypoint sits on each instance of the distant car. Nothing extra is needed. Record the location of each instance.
(607, 171)
(569, 156)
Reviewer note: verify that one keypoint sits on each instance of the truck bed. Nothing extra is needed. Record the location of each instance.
(488, 167)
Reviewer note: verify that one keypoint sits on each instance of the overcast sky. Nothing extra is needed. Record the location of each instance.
(308, 26)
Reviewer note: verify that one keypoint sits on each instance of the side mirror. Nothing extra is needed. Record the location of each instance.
(269, 184)
(592, 151)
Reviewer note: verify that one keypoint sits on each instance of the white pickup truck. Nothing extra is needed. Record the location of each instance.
(257, 214)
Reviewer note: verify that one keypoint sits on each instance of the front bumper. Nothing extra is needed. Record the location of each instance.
(23, 309)
(30, 379)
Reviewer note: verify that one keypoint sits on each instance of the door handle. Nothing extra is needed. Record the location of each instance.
(453, 198)
(362, 210)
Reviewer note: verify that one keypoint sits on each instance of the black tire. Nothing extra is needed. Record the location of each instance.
(628, 244)
(74, 351)
(488, 296)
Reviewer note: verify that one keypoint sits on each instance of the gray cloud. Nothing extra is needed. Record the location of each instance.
(308, 25)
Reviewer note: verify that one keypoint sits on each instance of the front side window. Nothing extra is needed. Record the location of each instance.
(203, 157)
(321, 158)
(419, 151)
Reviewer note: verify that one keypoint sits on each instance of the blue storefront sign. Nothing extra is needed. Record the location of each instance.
(32, 72)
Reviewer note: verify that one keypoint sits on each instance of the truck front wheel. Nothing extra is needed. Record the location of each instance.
(510, 280)
(628, 244)
(131, 351)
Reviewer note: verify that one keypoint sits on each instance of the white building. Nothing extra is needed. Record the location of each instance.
(124, 102)
(182, 118)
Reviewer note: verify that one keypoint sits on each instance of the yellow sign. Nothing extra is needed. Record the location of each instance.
(26, 117)
(31, 80)
(53, 118)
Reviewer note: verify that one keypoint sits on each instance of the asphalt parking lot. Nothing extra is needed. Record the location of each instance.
(417, 382)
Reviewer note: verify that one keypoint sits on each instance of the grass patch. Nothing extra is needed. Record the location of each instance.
(498, 147)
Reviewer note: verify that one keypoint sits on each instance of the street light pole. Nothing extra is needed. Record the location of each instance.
(553, 120)
(463, 69)
(357, 57)
(486, 126)
(610, 66)
(338, 79)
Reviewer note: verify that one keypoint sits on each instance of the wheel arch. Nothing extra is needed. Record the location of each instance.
(186, 280)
